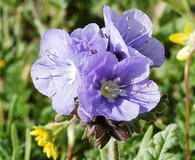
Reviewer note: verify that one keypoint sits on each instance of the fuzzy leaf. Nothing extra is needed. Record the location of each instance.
(161, 146)
(146, 139)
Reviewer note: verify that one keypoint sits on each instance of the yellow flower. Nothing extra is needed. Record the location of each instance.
(183, 39)
(50, 150)
(43, 140)
(2, 64)
(41, 135)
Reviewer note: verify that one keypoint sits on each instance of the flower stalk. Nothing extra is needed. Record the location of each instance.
(187, 74)
(113, 151)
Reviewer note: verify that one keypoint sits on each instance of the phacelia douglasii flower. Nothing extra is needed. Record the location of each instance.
(109, 80)
(132, 31)
(55, 74)
(119, 91)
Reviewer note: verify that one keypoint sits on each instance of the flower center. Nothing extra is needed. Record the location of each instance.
(111, 90)
(70, 71)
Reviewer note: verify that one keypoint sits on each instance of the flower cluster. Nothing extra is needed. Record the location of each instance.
(105, 69)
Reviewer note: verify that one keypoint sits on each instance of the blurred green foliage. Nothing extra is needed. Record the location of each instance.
(22, 22)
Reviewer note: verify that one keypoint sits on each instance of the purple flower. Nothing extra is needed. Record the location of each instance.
(130, 34)
(119, 91)
(55, 74)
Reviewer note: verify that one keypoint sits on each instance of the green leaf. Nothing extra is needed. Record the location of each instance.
(161, 146)
(4, 154)
(27, 145)
(15, 142)
(146, 139)
(11, 113)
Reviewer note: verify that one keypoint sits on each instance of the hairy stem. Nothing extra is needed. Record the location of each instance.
(187, 74)
(113, 151)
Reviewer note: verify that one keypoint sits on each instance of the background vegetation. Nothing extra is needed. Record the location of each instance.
(21, 106)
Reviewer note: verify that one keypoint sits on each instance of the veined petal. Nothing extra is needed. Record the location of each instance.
(48, 75)
(146, 94)
(130, 24)
(56, 42)
(90, 32)
(141, 17)
(179, 38)
(151, 48)
(63, 101)
(126, 111)
(41, 73)
(133, 24)
(100, 61)
(132, 69)
(183, 54)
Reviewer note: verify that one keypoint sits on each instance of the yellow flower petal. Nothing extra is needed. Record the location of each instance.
(183, 54)
(50, 150)
(54, 152)
(39, 132)
(41, 135)
(179, 38)
(188, 28)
